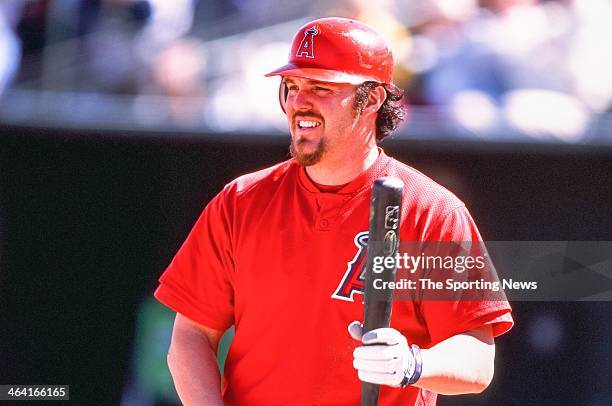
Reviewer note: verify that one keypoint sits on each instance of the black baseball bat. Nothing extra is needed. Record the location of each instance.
(383, 241)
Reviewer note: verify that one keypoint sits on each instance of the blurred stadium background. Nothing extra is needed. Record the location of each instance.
(120, 119)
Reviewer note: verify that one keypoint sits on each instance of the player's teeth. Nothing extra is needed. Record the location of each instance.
(307, 124)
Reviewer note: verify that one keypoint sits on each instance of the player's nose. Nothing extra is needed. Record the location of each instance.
(300, 100)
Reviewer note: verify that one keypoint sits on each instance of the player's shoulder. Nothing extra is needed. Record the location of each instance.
(421, 191)
(261, 181)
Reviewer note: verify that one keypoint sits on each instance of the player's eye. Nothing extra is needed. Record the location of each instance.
(321, 89)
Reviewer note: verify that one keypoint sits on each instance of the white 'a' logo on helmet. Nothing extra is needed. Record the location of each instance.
(306, 47)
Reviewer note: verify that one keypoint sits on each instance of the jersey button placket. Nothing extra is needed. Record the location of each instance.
(322, 222)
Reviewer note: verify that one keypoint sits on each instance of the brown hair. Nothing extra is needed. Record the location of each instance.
(390, 114)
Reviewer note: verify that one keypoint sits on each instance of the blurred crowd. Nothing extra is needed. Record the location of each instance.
(491, 67)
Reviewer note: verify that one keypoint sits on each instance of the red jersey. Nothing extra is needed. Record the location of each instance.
(278, 258)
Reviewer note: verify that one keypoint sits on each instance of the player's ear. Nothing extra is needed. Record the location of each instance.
(376, 98)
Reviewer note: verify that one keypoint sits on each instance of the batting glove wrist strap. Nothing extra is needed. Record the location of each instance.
(413, 375)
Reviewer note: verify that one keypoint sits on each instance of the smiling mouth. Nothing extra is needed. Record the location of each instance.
(304, 124)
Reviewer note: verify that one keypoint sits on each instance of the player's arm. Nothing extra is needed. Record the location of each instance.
(460, 364)
(193, 362)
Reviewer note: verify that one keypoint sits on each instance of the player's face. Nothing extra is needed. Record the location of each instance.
(321, 118)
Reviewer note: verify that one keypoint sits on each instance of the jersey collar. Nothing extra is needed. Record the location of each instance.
(356, 185)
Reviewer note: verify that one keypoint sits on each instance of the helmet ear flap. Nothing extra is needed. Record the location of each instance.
(283, 92)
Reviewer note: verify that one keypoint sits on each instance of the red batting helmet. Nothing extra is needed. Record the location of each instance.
(338, 50)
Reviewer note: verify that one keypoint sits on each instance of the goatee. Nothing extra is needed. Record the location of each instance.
(308, 159)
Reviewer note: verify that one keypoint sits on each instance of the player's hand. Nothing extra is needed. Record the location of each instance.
(385, 357)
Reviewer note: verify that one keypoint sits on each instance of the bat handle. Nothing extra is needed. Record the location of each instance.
(369, 394)
(369, 391)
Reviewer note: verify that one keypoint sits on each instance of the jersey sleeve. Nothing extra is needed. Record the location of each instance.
(446, 318)
(198, 283)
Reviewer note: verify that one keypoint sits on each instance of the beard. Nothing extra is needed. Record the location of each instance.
(311, 158)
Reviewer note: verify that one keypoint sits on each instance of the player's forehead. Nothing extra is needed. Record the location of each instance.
(296, 80)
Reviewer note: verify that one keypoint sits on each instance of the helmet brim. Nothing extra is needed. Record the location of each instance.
(322, 75)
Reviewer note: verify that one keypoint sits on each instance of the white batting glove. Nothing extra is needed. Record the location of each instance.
(385, 357)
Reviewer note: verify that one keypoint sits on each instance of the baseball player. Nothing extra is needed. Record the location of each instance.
(279, 252)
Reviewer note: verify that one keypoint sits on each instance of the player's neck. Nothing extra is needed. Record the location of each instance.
(342, 171)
